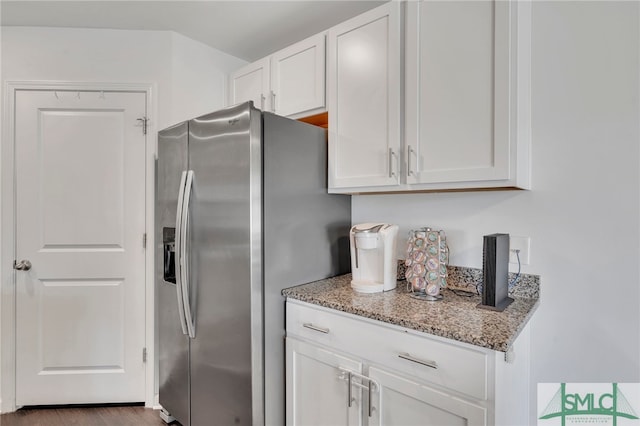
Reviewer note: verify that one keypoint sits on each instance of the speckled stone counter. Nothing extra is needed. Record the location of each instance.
(455, 317)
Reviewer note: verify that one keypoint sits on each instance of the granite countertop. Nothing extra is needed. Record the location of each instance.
(455, 317)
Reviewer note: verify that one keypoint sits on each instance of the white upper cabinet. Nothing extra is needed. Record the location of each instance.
(298, 77)
(465, 98)
(421, 95)
(251, 83)
(467, 94)
(364, 100)
(291, 82)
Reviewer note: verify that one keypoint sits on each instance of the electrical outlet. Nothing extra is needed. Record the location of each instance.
(524, 245)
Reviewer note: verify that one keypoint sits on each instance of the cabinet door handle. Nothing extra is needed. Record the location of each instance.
(316, 328)
(370, 397)
(273, 101)
(349, 375)
(262, 99)
(349, 392)
(409, 152)
(371, 384)
(431, 364)
(391, 155)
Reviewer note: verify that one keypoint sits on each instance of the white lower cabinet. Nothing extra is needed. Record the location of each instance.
(344, 369)
(318, 390)
(397, 400)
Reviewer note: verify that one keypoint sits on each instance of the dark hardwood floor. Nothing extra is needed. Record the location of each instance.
(112, 415)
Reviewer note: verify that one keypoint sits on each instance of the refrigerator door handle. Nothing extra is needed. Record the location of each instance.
(179, 244)
(184, 256)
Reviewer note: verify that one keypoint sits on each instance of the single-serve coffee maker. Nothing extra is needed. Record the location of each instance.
(373, 257)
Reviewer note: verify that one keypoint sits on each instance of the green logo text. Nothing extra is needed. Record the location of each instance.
(565, 404)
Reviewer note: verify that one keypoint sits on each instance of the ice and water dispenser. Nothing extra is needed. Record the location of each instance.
(169, 258)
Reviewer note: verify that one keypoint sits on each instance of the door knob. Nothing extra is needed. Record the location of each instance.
(23, 265)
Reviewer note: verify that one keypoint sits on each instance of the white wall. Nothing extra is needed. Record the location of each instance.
(583, 213)
(190, 76)
(199, 78)
(89, 55)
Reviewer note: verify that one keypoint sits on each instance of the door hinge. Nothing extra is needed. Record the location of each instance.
(144, 240)
(144, 121)
(144, 354)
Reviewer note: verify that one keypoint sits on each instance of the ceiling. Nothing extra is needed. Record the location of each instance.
(248, 30)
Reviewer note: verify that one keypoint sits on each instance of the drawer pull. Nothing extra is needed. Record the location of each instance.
(431, 364)
(315, 328)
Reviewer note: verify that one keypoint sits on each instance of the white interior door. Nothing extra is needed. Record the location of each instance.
(80, 220)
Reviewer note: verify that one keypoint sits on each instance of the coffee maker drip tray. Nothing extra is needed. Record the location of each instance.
(367, 286)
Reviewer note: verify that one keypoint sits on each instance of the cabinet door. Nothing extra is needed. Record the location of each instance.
(298, 77)
(363, 99)
(318, 387)
(459, 91)
(251, 83)
(400, 401)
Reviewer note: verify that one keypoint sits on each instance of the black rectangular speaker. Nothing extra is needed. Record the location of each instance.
(495, 268)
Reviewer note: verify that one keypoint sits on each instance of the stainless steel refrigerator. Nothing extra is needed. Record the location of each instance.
(242, 212)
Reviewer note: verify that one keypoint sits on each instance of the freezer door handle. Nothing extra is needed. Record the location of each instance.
(184, 256)
(179, 245)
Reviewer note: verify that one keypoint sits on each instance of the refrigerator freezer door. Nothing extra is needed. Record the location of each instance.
(305, 234)
(173, 345)
(224, 154)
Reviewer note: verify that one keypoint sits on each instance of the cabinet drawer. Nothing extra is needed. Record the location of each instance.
(318, 325)
(449, 365)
